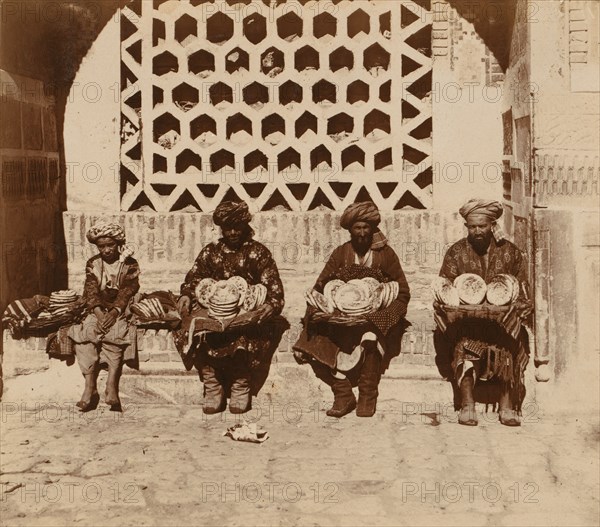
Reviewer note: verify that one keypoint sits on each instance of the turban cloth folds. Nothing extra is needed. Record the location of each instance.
(106, 230)
(486, 207)
(368, 212)
(230, 213)
(365, 211)
(489, 208)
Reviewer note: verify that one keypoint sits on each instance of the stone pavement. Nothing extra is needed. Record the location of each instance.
(168, 464)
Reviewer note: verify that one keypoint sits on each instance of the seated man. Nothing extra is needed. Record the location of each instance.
(232, 353)
(105, 335)
(483, 349)
(366, 254)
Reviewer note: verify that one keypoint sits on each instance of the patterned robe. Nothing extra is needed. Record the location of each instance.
(502, 257)
(107, 291)
(117, 294)
(323, 341)
(510, 356)
(253, 262)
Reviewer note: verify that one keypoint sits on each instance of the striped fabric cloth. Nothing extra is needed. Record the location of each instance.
(25, 309)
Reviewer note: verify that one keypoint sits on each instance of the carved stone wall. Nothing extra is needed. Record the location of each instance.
(288, 105)
(584, 55)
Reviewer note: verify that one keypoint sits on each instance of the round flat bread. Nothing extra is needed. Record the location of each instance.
(437, 284)
(204, 290)
(471, 288)
(498, 293)
(261, 294)
(391, 293)
(221, 316)
(250, 300)
(242, 287)
(330, 289)
(350, 297)
(322, 303)
(224, 293)
(377, 298)
(62, 298)
(361, 286)
(448, 295)
(395, 288)
(64, 292)
(516, 287)
(371, 283)
(511, 283)
(309, 299)
(385, 294)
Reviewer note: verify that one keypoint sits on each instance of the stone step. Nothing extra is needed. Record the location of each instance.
(415, 384)
(287, 383)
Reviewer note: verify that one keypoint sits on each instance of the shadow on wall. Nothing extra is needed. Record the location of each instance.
(43, 41)
(493, 21)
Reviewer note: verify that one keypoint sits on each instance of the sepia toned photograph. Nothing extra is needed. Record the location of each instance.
(299, 263)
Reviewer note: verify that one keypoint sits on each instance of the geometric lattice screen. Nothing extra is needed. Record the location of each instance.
(293, 105)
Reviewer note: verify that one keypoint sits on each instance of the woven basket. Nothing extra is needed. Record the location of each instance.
(340, 319)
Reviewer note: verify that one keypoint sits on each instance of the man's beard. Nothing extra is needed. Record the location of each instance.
(480, 244)
(362, 244)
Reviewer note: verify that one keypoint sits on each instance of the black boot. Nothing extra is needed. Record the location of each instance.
(344, 401)
(240, 400)
(368, 383)
(214, 396)
(467, 415)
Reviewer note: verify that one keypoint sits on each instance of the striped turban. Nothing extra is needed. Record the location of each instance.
(489, 208)
(106, 230)
(230, 213)
(485, 207)
(365, 211)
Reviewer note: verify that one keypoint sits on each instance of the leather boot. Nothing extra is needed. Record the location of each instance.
(368, 383)
(467, 415)
(240, 400)
(344, 401)
(214, 396)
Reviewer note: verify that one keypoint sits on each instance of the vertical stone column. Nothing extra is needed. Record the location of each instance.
(566, 180)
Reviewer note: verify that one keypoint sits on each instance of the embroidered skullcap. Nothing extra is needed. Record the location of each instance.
(230, 213)
(104, 229)
(486, 207)
(365, 211)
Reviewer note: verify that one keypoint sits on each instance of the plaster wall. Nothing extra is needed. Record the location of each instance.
(468, 88)
(567, 107)
(92, 126)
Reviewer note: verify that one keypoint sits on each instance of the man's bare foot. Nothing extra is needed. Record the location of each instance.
(111, 397)
(89, 401)
(468, 415)
(509, 417)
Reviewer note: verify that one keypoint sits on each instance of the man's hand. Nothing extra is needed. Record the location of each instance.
(300, 357)
(109, 319)
(263, 313)
(184, 305)
(525, 309)
(99, 318)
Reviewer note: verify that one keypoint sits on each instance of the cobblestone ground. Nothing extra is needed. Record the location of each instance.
(159, 464)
